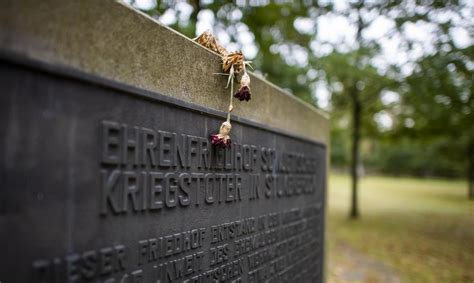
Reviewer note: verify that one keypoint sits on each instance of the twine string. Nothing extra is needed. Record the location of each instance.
(231, 106)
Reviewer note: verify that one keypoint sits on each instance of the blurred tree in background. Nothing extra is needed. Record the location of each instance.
(438, 98)
(404, 112)
(437, 105)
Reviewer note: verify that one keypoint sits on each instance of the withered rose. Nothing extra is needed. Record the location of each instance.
(244, 91)
(243, 94)
(233, 64)
(222, 139)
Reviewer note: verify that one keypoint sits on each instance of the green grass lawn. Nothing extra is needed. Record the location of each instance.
(422, 229)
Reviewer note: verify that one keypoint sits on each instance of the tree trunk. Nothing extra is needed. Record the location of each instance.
(470, 170)
(356, 113)
(356, 121)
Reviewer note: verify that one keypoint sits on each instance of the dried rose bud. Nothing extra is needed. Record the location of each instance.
(243, 93)
(222, 139)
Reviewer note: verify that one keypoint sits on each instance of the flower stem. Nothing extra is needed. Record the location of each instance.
(231, 97)
(231, 93)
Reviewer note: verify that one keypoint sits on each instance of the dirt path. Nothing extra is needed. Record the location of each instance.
(350, 265)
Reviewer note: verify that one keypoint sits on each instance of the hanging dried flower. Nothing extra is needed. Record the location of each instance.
(222, 139)
(244, 91)
(233, 63)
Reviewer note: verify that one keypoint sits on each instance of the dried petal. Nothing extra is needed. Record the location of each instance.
(245, 80)
(235, 59)
(243, 93)
(222, 139)
(207, 40)
(219, 141)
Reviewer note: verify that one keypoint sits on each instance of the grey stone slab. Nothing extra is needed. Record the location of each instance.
(103, 182)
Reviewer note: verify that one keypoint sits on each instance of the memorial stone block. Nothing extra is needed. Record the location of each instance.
(109, 176)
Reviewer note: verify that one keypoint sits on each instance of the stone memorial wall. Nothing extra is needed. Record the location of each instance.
(107, 172)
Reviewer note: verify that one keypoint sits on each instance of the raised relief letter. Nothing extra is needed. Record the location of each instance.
(108, 185)
(130, 145)
(110, 142)
(155, 190)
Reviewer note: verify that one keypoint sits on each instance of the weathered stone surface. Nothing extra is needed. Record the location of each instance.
(108, 39)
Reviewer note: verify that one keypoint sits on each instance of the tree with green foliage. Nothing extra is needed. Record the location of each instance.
(433, 94)
(437, 96)
(439, 99)
(358, 83)
(356, 90)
